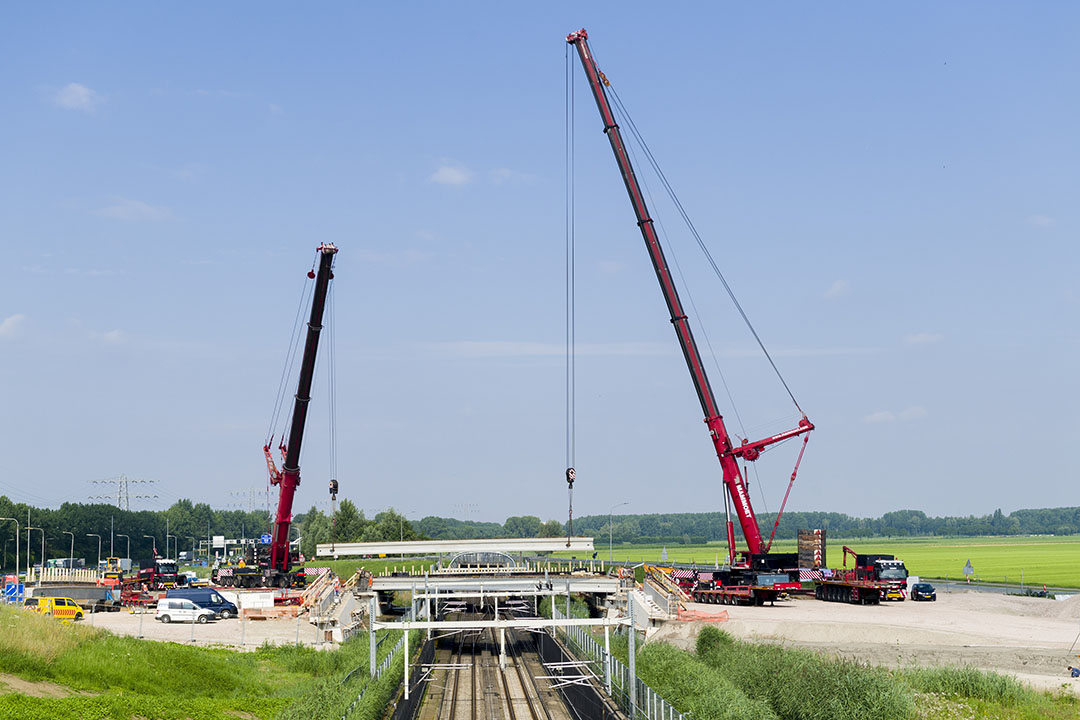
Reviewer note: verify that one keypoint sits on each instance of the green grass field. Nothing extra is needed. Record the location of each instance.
(1043, 559)
(111, 676)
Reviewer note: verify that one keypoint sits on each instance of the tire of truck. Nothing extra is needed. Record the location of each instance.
(164, 619)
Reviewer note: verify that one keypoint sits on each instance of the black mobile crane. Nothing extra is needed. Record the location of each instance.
(272, 564)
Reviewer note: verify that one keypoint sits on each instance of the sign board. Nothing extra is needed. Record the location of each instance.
(219, 541)
(968, 570)
(265, 538)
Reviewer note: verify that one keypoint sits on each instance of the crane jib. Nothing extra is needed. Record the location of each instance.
(725, 451)
(280, 558)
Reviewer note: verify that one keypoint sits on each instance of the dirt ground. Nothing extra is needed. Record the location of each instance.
(1028, 638)
(246, 634)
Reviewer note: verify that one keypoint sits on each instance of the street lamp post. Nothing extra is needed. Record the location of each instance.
(98, 548)
(71, 555)
(610, 532)
(16, 547)
(128, 544)
(153, 540)
(28, 529)
(167, 536)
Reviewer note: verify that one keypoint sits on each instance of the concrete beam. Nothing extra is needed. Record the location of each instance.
(534, 623)
(511, 585)
(450, 547)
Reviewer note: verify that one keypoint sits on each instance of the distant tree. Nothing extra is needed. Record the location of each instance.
(348, 523)
(522, 526)
(552, 528)
(315, 529)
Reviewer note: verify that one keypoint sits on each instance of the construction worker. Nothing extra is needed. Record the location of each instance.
(1074, 671)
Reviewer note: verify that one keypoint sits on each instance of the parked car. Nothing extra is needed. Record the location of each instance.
(206, 598)
(59, 607)
(182, 610)
(923, 591)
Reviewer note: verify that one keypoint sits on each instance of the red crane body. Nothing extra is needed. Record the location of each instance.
(289, 477)
(726, 451)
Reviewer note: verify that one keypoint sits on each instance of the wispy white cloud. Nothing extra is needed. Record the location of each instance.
(275, 109)
(837, 289)
(127, 209)
(881, 416)
(1041, 220)
(451, 174)
(500, 176)
(10, 325)
(74, 96)
(397, 258)
(509, 348)
(923, 338)
(113, 336)
(914, 412)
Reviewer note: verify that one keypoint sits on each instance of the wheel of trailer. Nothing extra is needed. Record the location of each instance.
(817, 591)
(201, 620)
(164, 619)
(759, 600)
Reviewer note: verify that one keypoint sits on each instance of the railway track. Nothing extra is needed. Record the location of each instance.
(466, 682)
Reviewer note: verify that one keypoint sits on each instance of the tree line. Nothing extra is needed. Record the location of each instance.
(193, 524)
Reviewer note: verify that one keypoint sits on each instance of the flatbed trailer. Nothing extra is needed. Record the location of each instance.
(742, 594)
(858, 592)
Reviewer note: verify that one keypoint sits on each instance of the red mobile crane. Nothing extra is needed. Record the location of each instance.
(728, 453)
(277, 569)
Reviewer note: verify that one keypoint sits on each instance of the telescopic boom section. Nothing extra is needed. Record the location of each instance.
(727, 453)
(290, 474)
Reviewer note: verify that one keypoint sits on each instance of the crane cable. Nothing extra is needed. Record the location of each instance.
(571, 330)
(701, 243)
(620, 113)
(290, 358)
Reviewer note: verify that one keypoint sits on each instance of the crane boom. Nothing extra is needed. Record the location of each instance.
(289, 478)
(726, 451)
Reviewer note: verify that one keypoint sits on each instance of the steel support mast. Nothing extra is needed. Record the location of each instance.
(725, 450)
(289, 477)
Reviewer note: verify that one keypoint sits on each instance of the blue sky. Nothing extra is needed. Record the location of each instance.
(892, 196)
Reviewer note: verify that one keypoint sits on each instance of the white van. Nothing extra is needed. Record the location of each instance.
(182, 610)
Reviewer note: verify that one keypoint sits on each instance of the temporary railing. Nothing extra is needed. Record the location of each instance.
(616, 676)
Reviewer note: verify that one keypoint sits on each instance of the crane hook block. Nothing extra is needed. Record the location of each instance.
(570, 475)
(333, 489)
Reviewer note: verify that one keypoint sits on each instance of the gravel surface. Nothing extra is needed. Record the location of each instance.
(235, 633)
(1029, 638)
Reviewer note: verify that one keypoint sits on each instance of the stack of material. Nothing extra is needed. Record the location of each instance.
(700, 616)
(812, 549)
(264, 613)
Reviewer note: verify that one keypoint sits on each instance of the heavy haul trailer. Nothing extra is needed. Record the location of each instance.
(872, 579)
(765, 580)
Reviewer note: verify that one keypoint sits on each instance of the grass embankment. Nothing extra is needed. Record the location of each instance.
(1044, 559)
(732, 679)
(122, 677)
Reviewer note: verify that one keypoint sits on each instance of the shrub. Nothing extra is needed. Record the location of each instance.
(693, 687)
(800, 685)
(968, 682)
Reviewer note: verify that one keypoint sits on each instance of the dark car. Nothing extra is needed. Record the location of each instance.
(206, 598)
(923, 591)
